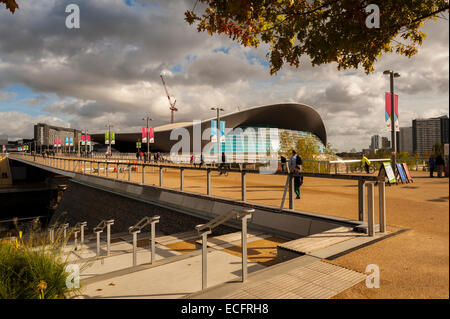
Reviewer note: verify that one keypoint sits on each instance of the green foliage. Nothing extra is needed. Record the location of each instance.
(33, 269)
(305, 146)
(325, 30)
(438, 149)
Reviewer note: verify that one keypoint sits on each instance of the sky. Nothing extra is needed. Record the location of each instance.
(108, 71)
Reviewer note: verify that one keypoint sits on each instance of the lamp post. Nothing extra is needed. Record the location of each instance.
(393, 75)
(148, 140)
(218, 109)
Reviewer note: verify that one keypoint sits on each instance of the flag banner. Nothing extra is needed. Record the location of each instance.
(83, 139)
(59, 143)
(88, 139)
(213, 131)
(55, 143)
(144, 135)
(67, 141)
(106, 137)
(222, 131)
(3, 148)
(71, 141)
(151, 135)
(113, 138)
(387, 114)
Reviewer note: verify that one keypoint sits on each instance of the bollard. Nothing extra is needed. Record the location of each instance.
(243, 187)
(181, 179)
(382, 206)
(108, 235)
(370, 210)
(208, 181)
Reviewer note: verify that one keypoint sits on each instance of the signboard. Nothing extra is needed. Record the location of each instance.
(151, 135)
(67, 141)
(389, 172)
(83, 139)
(59, 143)
(55, 143)
(113, 138)
(388, 112)
(401, 173)
(71, 141)
(144, 135)
(408, 175)
(3, 148)
(106, 138)
(222, 132)
(88, 139)
(138, 144)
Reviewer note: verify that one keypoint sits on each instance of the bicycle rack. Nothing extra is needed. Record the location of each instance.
(99, 229)
(206, 229)
(136, 229)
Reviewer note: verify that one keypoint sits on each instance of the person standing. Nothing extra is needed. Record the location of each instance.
(365, 161)
(222, 164)
(440, 165)
(431, 165)
(298, 180)
(283, 163)
(201, 161)
(293, 161)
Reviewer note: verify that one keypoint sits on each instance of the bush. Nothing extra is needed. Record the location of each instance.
(34, 269)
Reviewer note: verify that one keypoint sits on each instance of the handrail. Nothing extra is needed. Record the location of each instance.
(219, 220)
(101, 226)
(137, 229)
(142, 223)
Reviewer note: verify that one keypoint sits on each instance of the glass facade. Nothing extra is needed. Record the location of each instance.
(259, 139)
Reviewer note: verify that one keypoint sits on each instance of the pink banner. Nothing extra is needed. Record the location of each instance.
(144, 135)
(55, 143)
(59, 143)
(151, 134)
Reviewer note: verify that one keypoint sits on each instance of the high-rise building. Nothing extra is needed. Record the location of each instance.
(426, 132)
(385, 144)
(405, 140)
(375, 143)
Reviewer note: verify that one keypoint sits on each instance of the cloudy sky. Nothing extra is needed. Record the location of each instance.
(108, 72)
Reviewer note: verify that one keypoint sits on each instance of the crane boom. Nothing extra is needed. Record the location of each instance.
(172, 105)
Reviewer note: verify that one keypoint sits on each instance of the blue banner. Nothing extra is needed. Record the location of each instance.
(401, 172)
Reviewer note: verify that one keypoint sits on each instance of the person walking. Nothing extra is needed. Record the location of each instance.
(440, 165)
(431, 165)
(283, 163)
(293, 161)
(222, 164)
(201, 161)
(365, 161)
(298, 180)
(137, 155)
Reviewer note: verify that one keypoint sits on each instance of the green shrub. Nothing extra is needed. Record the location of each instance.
(33, 269)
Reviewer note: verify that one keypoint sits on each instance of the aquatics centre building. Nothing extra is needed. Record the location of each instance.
(253, 130)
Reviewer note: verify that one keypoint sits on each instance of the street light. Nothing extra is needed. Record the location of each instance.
(393, 75)
(148, 140)
(218, 109)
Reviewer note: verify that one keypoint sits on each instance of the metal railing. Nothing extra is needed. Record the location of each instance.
(99, 229)
(206, 229)
(137, 228)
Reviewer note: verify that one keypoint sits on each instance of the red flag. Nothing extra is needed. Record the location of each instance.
(144, 135)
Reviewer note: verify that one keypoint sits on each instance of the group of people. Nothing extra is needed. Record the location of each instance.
(142, 156)
(436, 162)
(295, 166)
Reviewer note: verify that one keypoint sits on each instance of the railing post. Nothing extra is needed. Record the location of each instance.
(417, 165)
(108, 235)
(84, 167)
(98, 168)
(181, 179)
(92, 167)
(382, 206)
(76, 240)
(208, 181)
(98, 243)
(155, 220)
(335, 168)
(129, 172)
(361, 200)
(117, 170)
(319, 167)
(135, 247)
(82, 225)
(370, 210)
(64, 226)
(64, 162)
(243, 187)
(204, 256)
(160, 177)
(248, 214)
(291, 192)
(107, 164)
(143, 174)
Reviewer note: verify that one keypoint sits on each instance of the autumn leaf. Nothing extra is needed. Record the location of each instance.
(11, 5)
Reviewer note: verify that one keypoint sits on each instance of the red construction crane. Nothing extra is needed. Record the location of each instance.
(172, 105)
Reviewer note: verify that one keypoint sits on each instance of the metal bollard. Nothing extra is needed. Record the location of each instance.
(370, 210)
